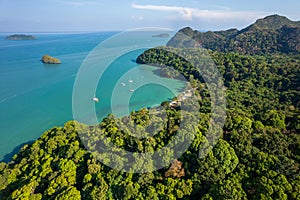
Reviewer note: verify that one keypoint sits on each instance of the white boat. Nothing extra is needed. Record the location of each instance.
(130, 81)
(131, 90)
(95, 99)
(123, 84)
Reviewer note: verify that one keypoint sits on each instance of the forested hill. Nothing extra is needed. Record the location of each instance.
(268, 35)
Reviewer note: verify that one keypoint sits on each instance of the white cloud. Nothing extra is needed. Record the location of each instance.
(186, 13)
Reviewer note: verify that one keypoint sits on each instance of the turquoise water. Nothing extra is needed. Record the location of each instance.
(35, 97)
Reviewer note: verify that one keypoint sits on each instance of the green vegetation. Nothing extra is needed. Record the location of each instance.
(271, 34)
(50, 60)
(257, 156)
(20, 37)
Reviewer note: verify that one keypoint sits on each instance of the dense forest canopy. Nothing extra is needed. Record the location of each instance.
(257, 156)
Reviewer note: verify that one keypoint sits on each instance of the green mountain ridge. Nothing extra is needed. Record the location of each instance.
(272, 22)
(268, 35)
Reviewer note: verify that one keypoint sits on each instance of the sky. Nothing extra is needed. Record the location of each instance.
(106, 15)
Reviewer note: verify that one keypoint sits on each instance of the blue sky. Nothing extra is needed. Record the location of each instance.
(98, 15)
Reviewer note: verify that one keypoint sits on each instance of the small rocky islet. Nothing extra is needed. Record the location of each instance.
(50, 60)
(161, 35)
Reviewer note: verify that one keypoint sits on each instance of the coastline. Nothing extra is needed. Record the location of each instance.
(40, 97)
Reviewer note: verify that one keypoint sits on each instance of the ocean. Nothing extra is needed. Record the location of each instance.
(35, 97)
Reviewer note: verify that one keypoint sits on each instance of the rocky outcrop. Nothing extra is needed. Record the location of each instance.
(50, 60)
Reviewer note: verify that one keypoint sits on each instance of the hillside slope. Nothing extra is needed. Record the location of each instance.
(268, 35)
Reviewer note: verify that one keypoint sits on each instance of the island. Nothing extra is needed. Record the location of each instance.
(50, 60)
(161, 35)
(20, 37)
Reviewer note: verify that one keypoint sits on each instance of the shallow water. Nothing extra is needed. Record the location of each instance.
(35, 97)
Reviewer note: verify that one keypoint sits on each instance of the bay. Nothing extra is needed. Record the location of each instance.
(35, 97)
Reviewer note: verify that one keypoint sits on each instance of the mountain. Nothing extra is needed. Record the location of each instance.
(272, 22)
(268, 35)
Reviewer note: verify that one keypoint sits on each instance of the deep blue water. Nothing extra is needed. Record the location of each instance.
(35, 97)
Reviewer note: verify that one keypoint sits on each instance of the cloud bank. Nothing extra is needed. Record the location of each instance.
(188, 14)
